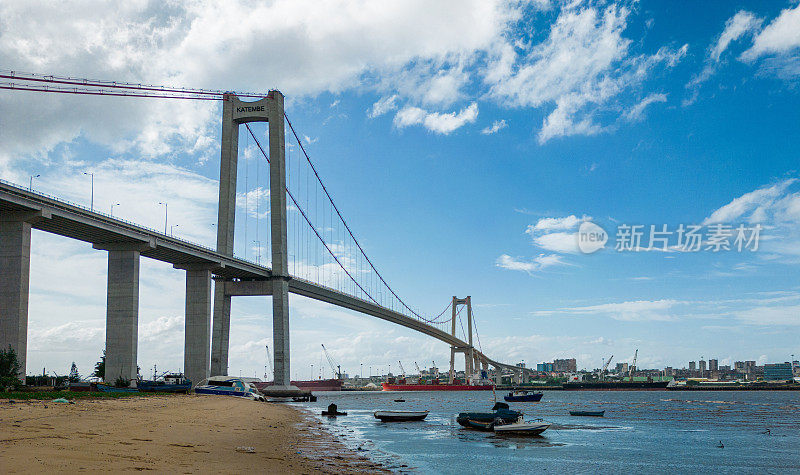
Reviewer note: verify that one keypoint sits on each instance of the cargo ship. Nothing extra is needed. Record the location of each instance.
(433, 385)
(313, 385)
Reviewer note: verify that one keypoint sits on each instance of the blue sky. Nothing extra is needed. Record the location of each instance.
(464, 144)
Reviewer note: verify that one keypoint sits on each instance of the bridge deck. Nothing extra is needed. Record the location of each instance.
(77, 222)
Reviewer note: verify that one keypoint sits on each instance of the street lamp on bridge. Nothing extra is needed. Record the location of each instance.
(31, 184)
(173, 227)
(166, 214)
(91, 205)
(112, 208)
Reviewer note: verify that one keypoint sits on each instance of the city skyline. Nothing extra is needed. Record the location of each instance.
(466, 164)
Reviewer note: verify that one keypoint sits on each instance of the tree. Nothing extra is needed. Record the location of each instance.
(74, 376)
(100, 367)
(9, 368)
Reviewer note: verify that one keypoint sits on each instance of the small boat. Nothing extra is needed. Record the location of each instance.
(399, 400)
(522, 428)
(400, 416)
(587, 413)
(523, 396)
(487, 420)
(333, 411)
(228, 386)
(170, 383)
(111, 389)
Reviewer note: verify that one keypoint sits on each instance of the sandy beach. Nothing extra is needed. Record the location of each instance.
(178, 434)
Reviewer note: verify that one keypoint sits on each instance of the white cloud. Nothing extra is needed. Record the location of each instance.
(435, 121)
(558, 242)
(538, 263)
(495, 127)
(551, 224)
(636, 310)
(755, 203)
(771, 315)
(383, 105)
(741, 23)
(583, 66)
(781, 36)
(636, 111)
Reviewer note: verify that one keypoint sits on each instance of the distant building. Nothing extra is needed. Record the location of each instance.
(778, 372)
(739, 366)
(713, 365)
(726, 367)
(702, 366)
(544, 367)
(565, 366)
(622, 368)
(749, 367)
(692, 366)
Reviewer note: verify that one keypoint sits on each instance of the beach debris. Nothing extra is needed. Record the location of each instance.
(63, 400)
(246, 450)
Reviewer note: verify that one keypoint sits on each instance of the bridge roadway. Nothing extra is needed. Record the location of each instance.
(104, 232)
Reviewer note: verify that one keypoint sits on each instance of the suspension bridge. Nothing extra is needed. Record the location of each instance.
(313, 250)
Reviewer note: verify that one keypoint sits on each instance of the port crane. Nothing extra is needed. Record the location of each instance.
(605, 367)
(402, 370)
(633, 365)
(337, 369)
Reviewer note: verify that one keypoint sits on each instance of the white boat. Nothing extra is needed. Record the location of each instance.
(522, 428)
(229, 386)
(400, 416)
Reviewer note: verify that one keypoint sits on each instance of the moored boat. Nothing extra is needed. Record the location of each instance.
(488, 420)
(111, 389)
(400, 416)
(170, 383)
(311, 385)
(587, 413)
(228, 386)
(522, 428)
(523, 396)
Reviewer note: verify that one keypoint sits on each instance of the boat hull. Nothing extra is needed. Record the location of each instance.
(313, 385)
(524, 428)
(587, 413)
(487, 420)
(526, 398)
(111, 389)
(221, 392)
(435, 387)
(164, 388)
(400, 416)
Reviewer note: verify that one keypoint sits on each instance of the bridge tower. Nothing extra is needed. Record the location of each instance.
(470, 360)
(234, 113)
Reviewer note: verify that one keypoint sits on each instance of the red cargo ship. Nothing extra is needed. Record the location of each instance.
(435, 387)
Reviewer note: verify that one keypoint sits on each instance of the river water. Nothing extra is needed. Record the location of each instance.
(642, 431)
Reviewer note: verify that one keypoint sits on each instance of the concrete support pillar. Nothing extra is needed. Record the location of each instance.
(221, 331)
(453, 348)
(197, 347)
(278, 233)
(15, 264)
(229, 158)
(122, 315)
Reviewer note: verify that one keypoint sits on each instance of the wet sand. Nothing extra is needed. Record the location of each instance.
(177, 434)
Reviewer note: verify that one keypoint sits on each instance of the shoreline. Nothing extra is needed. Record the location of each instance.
(177, 433)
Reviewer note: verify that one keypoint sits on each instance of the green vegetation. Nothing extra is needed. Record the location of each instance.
(9, 369)
(48, 395)
(100, 367)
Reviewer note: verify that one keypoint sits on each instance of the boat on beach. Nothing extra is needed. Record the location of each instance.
(523, 396)
(400, 416)
(111, 389)
(587, 413)
(170, 383)
(228, 386)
